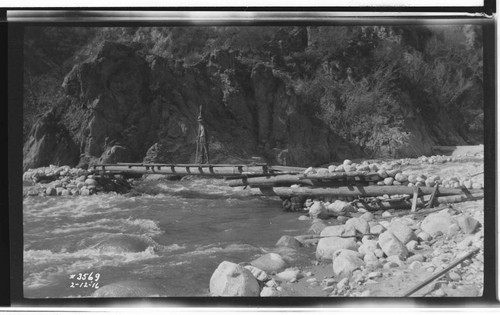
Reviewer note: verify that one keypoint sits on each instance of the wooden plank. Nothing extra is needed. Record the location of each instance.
(288, 169)
(181, 169)
(342, 175)
(270, 181)
(182, 164)
(367, 191)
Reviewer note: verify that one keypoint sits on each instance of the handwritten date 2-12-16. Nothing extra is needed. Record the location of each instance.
(85, 280)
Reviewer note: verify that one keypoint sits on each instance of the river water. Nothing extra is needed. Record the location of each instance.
(173, 237)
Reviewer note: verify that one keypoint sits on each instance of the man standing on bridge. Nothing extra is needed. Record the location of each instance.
(202, 156)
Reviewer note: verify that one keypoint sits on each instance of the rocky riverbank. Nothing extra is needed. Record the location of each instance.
(357, 252)
(395, 254)
(66, 181)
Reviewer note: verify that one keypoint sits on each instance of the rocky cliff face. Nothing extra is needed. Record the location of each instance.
(122, 106)
(304, 97)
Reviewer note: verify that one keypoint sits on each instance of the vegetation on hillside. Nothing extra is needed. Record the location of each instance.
(360, 80)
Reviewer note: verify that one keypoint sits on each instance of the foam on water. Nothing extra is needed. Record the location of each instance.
(74, 206)
(141, 226)
(177, 234)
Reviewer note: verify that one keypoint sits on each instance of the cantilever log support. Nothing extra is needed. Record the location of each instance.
(416, 191)
(433, 196)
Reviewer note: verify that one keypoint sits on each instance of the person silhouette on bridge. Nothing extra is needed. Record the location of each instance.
(202, 155)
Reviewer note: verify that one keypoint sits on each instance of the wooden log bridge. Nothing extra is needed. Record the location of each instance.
(229, 170)
(288, 182)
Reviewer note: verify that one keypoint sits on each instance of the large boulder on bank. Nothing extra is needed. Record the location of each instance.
(391, 245)
(402, 231)
(258, 273)
(345, 262)
(329, 245)
(288, 241)
(339, 207)
(358, 224)
(437, 222)
(317, 227)
(270, 263)
(230, 279)
(467, 224)
(334, 230)
(318, 210)
(289, 275)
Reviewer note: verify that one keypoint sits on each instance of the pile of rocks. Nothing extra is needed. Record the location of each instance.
(403, 243)
(440, 159)
(389, 247)
(391, 173)
(254, 279)
(66, 181)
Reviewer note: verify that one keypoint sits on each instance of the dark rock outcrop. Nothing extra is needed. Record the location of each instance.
(122, 106)
(49, 143)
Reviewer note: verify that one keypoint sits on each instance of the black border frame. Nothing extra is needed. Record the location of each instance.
(14, 216)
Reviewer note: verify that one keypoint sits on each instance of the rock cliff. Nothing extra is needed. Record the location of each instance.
(121, 106)
(293, 102)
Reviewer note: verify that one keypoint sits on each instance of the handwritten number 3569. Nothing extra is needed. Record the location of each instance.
(89, 276)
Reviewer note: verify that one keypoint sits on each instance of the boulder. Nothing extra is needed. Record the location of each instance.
(415, 265)
(388, 181)
(358, 224)
(423, 236)
(289, 275)
(437, 222)
(269, 292)
(370, 258)
(339, 168)
(51, 191)
(269, 263)
(368, 246)
(288, 241)
(345, 262)
(342, 219)
(401, 177)
(411, 245)
(402, 231)
(386, 214)
(396, 259)
(327, 246)
(467, 224)
(391, 245)
(318, 210)
(91, 182)
(317, 227)
(230, 279)
(258, 273)
(334, 230)
(416, 257)
(339, 207)
(368, 216)
(377, 229)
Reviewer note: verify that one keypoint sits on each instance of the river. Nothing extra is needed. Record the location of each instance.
(173, 236)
